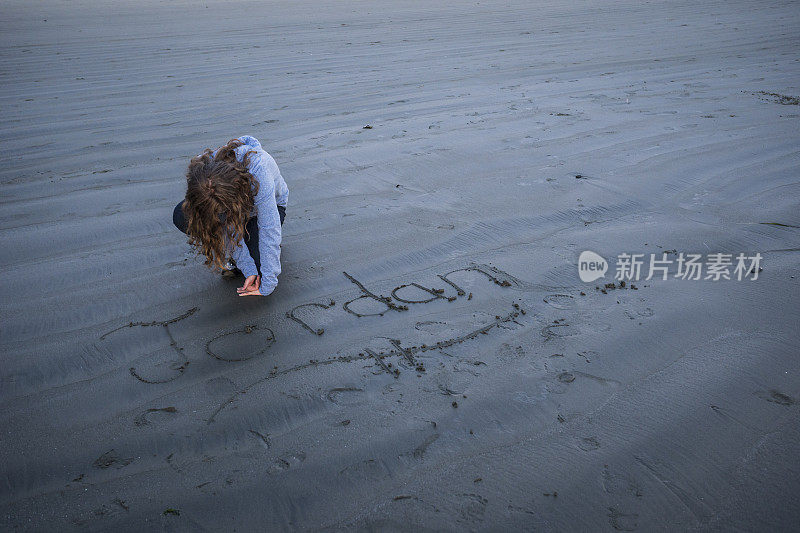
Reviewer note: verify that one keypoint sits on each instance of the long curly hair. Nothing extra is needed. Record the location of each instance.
(219, 199)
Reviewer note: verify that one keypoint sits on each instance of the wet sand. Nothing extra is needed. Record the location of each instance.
(138, 391)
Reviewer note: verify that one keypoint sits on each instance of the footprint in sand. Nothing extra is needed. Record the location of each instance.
(111, 458)
(620, 485)
(558, 329)
(419, 451)
(285, 462)
(566, 377)
(588, 444)
(525, 398)
(144, 419)
(219, 387)
(473, 508)
(113, 510)
(622, 521)
(774, 396)
(508, 352)
(644, 313)
(367, 469)
(560, 384)
(345, 395)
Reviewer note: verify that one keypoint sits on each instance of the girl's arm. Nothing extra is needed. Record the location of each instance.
(243, 260)
(263, 167)
(269, 242)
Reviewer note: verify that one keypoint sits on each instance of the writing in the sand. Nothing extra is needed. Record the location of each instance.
(377, 305)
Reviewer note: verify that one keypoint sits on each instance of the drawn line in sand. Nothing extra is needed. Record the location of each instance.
(264, 438)
(163, 323)
(495, 275)
(369, 294)
(383, 365)
(247, 330)
(408, 353)
(300, 321)
(180, 369)
(436, 294)
(405, 352)
(334, 393)
(560, 301)
(181, 366)
(459, 290)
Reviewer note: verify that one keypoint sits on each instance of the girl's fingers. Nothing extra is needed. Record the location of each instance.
(248, 282)
(251, 286)
(250, 293)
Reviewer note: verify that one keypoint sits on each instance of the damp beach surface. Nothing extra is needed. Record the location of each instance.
(430, 359)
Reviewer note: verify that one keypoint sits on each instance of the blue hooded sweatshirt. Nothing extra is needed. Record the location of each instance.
(272, 192)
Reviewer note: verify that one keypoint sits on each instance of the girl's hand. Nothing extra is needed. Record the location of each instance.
(250, 287)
